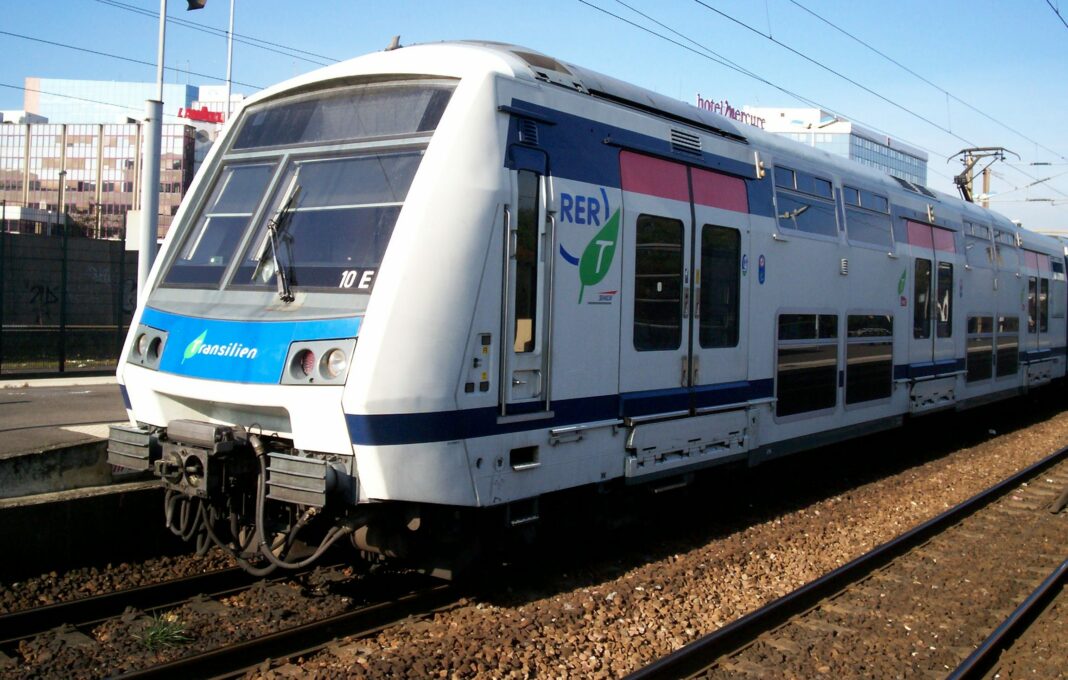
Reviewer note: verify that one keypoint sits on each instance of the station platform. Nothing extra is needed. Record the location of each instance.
(53, 433)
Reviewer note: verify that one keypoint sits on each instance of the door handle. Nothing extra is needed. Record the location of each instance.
(516, 382)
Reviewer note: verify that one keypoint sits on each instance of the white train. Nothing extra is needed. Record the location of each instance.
(440, 283)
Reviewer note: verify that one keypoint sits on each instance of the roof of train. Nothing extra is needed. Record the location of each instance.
(457, 59)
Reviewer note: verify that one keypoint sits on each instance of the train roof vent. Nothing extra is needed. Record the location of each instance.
(685, 142)
(528, 132)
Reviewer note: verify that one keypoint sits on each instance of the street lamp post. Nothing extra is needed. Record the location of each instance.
(151, 160)
(62, 274)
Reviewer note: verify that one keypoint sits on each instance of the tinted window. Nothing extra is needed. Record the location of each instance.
(944, 300)
(658, 283)
(209, 247)
(921, 300)
(720, 273)
(868, 227)
(340, 222)
(526, 262)
(355, 113)
(806, 214)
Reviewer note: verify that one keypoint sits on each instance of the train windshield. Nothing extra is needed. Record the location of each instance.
(311, 186)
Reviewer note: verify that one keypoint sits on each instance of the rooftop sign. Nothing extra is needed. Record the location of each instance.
(202, 115)
(724, 108)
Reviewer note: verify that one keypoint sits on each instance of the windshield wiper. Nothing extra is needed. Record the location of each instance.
(276, 228)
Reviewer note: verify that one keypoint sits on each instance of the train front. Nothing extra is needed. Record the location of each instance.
(234, 368)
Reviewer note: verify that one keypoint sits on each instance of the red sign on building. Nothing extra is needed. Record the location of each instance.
(202, 115)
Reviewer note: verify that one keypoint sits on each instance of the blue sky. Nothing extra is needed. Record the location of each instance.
(1008, 60)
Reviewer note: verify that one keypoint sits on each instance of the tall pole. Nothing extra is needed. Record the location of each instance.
(986, 187)
(150, 166)
(229, 60)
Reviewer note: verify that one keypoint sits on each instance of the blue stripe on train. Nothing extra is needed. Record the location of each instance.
(414, 428)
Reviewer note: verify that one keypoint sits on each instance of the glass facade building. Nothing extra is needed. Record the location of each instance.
(823, 130)
(100, 169)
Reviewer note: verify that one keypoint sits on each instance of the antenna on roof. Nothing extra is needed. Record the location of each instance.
(394, 44)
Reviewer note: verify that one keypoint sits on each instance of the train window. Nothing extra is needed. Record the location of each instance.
(1057, 266)
(944, 300)
(784, 177)
(209, 247)
(867, 226)
(807, 365)
(980, 352)
(1043, 305)
(921, 300)
(657, 283)
(822, 187)
(338, 224)
(807, 214)
(526, 262)
(367, 111)
(851, 196)
(977, 251)
(869, 357)
(874, 202)
(1007, 345)
(720, 274)
(1032, 304)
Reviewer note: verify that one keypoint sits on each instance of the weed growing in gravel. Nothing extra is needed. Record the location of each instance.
(165, 630)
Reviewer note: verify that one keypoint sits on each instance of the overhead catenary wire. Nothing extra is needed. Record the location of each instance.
(913, 73)
(83, 99)
(260, 43)
(131, 60)
(837, 73)
(706, 53)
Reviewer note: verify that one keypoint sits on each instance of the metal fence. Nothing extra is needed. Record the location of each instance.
(65, 299)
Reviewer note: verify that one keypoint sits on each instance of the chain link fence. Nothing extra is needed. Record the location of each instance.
(66, 300)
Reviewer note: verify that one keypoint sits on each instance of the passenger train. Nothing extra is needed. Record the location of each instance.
(441, 283)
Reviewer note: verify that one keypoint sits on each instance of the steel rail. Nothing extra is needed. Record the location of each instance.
(701, 653)
(234, 660)
(986, 655)
(88, 610)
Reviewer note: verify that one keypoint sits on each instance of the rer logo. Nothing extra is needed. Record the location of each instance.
(596, 259)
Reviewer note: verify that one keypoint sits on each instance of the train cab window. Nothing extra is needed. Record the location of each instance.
(807, 364)
(720, 274)
(1008, 345)
(980, 353)
(805, 203)
(333, 218)
(657, 283)
(944, 300)
(867, 217)
(869, 357)
(921, 300)
(209, 246)
(526, 262)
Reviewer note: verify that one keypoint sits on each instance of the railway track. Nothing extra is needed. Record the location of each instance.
(78, 622)
(22, 625)
(926, 599)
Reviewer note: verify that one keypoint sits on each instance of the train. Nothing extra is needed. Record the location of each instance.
(435, 287)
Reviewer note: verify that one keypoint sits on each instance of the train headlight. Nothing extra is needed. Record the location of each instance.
(334, 364)
(318, 362)
(147, 347)
(304, 364)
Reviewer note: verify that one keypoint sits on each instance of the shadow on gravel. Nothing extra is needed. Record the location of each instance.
(585, 539)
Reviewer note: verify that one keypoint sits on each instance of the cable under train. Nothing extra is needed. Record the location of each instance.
(430, 287)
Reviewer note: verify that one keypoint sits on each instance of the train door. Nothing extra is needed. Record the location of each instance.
(1037, 275)
(686, 231)
(931, 344)
(524, 379)
(657, 256)
(719, 329)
